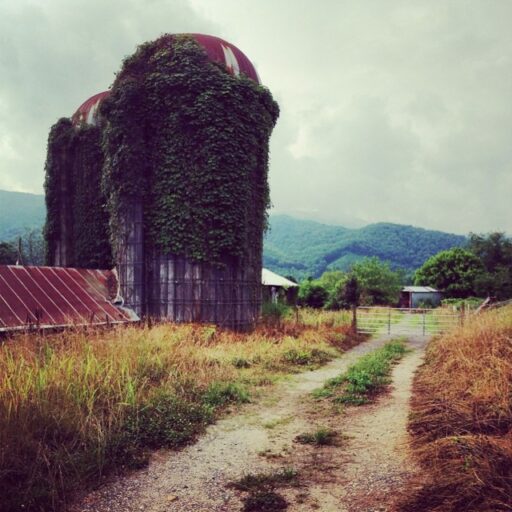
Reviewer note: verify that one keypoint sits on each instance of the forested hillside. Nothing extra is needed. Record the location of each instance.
(19, 212)
(292, 246)
(301, 248)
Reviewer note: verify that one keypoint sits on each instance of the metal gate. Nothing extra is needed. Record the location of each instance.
(407, 322)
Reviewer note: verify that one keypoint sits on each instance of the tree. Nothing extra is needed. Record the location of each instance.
(495, 251)
(312, 294)
(334, 282)
(378, 284)
(455, 272)
(7, 254)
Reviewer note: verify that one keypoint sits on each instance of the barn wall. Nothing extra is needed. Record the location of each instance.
(418, 298)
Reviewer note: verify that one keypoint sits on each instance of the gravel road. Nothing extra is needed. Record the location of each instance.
(364, 473)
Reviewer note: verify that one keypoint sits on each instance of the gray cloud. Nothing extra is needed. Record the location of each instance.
(391, 111)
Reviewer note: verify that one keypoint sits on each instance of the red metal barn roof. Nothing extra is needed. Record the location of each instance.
(56, 297)
(217, 49)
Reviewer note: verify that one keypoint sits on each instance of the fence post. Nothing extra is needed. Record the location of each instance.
(389, 321)
(354, 319)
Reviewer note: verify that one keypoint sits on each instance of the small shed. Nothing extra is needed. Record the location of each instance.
(419, 296)
(276, 286)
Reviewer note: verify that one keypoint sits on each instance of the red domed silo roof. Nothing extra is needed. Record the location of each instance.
(217, 50)
(87, 112)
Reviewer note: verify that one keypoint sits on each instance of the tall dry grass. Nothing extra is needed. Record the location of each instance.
(77, 405)
(461, 420)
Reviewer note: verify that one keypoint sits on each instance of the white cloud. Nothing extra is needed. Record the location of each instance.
(391, 111)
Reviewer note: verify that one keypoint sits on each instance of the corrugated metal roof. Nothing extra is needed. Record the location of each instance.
(57, 297)
(419, 289)
(269, 278)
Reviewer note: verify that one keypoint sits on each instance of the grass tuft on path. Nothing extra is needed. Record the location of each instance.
(261, 489)
(364, 379)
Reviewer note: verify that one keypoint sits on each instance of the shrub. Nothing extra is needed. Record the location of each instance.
(312, 294)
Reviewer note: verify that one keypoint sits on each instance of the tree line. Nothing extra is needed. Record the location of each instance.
(483, 268)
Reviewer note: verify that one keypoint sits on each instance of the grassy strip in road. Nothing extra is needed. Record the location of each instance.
(364, 379)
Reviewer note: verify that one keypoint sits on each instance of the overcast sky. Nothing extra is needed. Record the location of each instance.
(396, 111)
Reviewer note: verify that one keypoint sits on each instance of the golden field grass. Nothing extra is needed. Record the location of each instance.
(78, 405)
(461, 420)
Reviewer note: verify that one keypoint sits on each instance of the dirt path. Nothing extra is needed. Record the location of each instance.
(363, 473)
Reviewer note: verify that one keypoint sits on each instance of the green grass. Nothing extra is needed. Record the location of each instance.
(364, 379)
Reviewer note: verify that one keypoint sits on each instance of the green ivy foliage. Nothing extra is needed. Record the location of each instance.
(73, 189)
(190, 141)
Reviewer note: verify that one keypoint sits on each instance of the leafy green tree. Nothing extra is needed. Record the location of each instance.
(7, 254)
(333, 281)
(352, 291)
(495, 251)
(378, 284)
(312, 294)
(456, 272)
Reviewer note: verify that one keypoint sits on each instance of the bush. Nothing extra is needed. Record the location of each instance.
(274, 312)
(312, 294)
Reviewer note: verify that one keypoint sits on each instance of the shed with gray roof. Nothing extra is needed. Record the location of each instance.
(419, 296)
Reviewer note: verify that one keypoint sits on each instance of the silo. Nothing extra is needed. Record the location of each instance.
(185, 131)
(76, 228)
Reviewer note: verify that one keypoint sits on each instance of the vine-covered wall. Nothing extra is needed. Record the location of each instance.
(170, 185)
(76, 228)
(190, 140)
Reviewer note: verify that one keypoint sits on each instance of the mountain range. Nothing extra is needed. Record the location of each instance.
(20, 211)
(295, 247)
(303, 248)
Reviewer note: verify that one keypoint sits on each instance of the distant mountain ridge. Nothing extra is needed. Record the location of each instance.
(301, 248)
(20, 211)
(293, 246)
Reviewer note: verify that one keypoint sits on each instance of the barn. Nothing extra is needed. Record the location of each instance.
(276, 287)
(419, 296)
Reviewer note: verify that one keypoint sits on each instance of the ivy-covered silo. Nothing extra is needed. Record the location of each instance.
(184, 130)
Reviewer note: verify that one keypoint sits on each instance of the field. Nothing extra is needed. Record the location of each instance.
(461, 418)
(77, 405)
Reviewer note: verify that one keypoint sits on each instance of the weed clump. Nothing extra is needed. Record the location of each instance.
(321, 437)
(264, 501)
(261, 481)
(261, 489)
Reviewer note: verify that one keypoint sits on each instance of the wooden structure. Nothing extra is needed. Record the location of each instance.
(419, 296)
